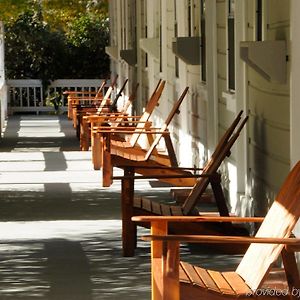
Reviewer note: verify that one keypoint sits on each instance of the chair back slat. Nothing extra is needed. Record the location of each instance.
(172, 113)
(212, 165)
(100, 90)
(113, 106)
(130, 99)
(278, 223)
(152, 103)
(107, 94)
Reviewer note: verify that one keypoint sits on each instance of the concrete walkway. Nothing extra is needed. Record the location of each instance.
(60, 231)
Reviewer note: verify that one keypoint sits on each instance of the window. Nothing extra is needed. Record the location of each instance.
(231, 48)
(190, 21)
(203, 42)
(176, 35)
(160, 38)
(144, 29)
(160, 48)
(193, 17)
(259, 20)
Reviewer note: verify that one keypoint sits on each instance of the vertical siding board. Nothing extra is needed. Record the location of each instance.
(269, 106)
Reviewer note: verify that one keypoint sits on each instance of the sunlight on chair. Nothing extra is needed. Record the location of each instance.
(232, 174)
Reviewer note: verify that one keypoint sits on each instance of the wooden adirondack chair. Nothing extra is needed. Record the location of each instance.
(83, 95)
(174, 280)
(102, 103)
(120, 154)
(93, 120)
(179, 177)
(93, 110)
(139, 122)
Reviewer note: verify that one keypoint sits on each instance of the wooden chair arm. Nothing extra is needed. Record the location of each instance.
(86, 98)
(122, 115)
(118, 129)
(167, 168)
(187, 219)
(119, 114)
(134, 122)
(108, 114)
(101, 116)
(222, 239)
(127, 131)
(161, 176)
(121, 128)
(79, 92)
(292, 248)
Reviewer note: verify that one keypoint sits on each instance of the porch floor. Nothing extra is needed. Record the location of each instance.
(60, 231)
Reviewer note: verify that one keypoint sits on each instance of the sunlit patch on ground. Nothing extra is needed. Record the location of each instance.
(60, 231)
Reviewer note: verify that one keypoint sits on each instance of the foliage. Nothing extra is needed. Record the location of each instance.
(87, 38)
(55, 100)
(71, 45)
(56, 12)
(10, 9)
(31, 48)
(61, 12)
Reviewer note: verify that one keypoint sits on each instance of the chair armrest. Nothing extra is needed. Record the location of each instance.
(85, 98)
(107, 114)
(222, 239)
(79, 92)
(187, 219)
(124, 116)
(118, 129)
(168, 168)
(292, 248)
(174, 176)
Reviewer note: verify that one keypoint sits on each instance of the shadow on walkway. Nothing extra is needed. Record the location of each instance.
(60, 231)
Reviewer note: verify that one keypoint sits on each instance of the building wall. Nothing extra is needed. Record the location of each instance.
(269, 111)
(3, 90)
(261, 157)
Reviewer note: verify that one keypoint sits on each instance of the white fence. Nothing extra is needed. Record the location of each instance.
(27, 95)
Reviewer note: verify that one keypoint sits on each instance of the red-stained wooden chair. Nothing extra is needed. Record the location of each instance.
(128, 136)
(174, 280)
(116, 153)
(83, 105)
(97, 119)
(132, 206)
(83, 95)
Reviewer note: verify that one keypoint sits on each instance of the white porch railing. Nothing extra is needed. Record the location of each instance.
(27, 95)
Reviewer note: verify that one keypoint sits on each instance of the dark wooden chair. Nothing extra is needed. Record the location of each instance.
(93, 120)
(99, 104)
(132, 206)
(116, 153)
(125, 131)
(174, 280)
(83, 95)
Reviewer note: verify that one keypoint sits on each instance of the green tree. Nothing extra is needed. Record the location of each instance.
(71, 45)
(87, 37)
(57, 13)
(32, 50)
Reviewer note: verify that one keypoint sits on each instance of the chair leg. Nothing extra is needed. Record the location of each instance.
(129, 231)
(84, 135)
(78, 126)
(97, 151)
(291, 270)
(215, 181)
(107, 167)
(69, 108)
